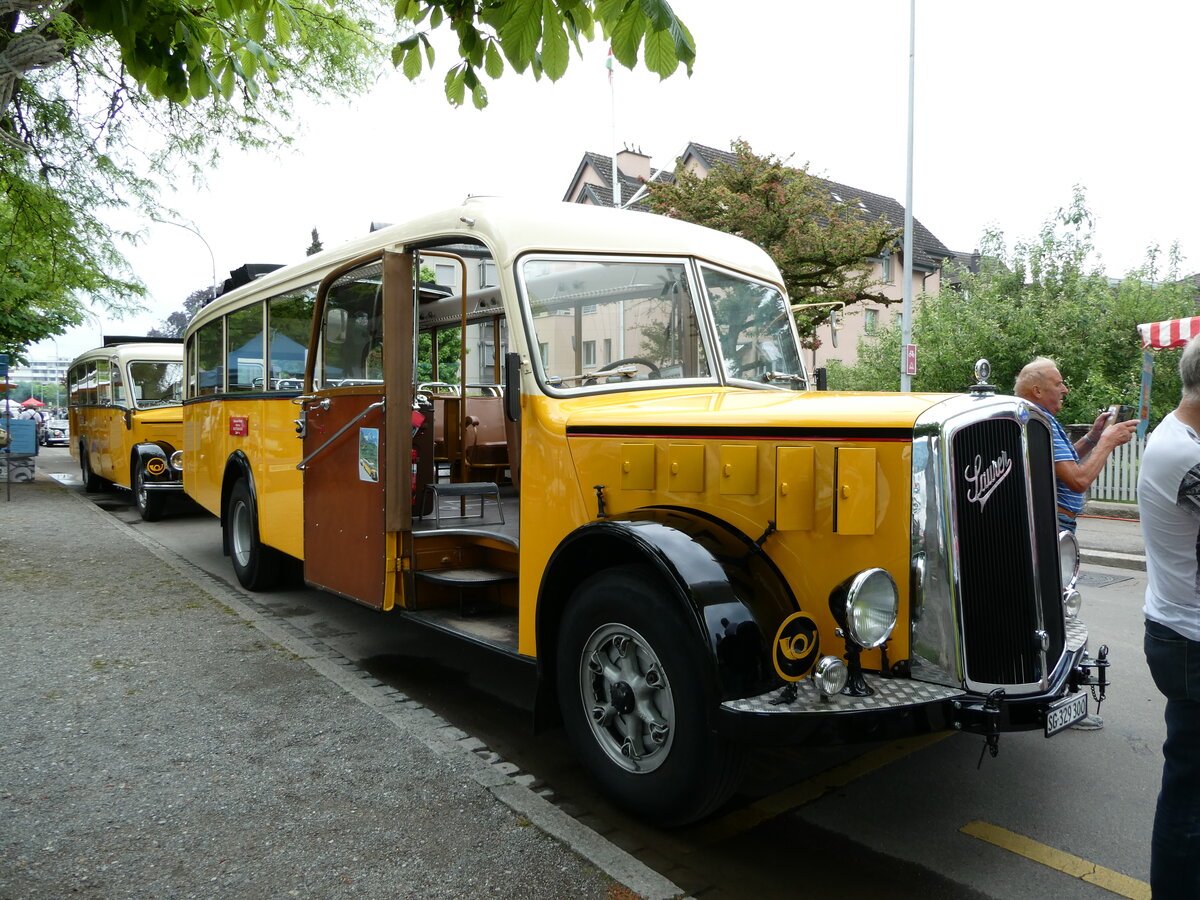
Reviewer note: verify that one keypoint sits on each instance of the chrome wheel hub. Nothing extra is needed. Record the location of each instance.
(630, 706)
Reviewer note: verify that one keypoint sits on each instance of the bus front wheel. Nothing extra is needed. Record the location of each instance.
(150, 504)
(257, 566)
(632, 684)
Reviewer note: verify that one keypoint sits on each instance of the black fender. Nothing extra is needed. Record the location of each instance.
(237, 466)
(733, 592)
(144, 453)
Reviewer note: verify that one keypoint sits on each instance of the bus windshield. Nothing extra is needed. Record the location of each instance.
(601, 322)
(156, 383)
(754, 329)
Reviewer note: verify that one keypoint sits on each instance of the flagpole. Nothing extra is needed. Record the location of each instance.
(612, 97)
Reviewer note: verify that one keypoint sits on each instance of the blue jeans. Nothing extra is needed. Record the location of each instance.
(1174, 663)
(1066, 523)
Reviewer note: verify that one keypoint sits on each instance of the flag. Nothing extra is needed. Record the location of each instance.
(608, 65)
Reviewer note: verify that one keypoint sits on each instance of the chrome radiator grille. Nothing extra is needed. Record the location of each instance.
(1007, 558)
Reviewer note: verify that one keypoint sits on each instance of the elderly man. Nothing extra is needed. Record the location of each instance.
(1078, 464)
(1169, 503)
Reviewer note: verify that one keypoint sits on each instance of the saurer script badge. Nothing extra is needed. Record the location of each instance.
(986, 478)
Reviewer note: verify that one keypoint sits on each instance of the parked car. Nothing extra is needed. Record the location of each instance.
(55, 433)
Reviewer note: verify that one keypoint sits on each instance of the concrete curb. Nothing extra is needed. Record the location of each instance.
(502, 779)
(1113, 559)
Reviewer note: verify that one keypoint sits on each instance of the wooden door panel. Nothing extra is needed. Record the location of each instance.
(345, 548)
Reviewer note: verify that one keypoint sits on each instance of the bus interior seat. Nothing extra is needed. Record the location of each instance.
(485, 443)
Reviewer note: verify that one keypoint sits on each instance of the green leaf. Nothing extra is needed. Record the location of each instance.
(435, 17)
(581, 19)
(627, 35)
(227, 80)
(428, 49)
(660, 53)
(283, 22)
(493, 62)
(658, 13)
(520, 34)
(407, 10)
(556, 51)
(479, 96)
(412, 63)
(256, 26)
(455, 86)
(608, 12)
(249, 63)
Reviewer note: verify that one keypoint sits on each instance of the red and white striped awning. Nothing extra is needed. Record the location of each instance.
(1170, 334)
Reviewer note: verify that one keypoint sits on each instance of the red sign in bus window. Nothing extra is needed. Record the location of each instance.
(239, 425)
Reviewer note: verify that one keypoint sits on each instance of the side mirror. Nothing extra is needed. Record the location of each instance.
(512, 386)
(335, 325)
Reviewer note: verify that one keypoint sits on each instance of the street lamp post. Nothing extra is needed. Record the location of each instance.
(212, 259)
(906, 314)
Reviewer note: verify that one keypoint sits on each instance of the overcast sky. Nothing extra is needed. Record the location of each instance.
(1016, 103)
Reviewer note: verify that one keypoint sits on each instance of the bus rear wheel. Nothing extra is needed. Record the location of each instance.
(257, 566)
(92, 483)
(150, 504)
(636, 696)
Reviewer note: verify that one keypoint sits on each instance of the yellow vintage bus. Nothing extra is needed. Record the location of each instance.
(126, 421)
(627, 480)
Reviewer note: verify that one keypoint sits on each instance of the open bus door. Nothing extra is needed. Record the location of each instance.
(357, 432)
(1173, 334)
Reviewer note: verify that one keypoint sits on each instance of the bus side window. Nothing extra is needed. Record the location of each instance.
(351, 329)
(118, 386)
(289, 319)
(103, 383)
(210, 374)
(246, 362)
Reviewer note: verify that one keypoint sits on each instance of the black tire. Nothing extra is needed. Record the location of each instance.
(92, 483)
(150, 504)
(633, 684)
(257, 566)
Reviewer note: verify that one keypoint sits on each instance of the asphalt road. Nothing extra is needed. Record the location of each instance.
(1067, 817)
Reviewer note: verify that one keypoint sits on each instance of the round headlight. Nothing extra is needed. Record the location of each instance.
(865, 606)
(1068, 560)
(177, 460)
(1072, 600)
(830, 676)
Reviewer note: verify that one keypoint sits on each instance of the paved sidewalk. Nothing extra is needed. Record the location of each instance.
(163, 740)
(1110, 535)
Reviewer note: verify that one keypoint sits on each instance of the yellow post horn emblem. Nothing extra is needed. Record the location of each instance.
(796, 647)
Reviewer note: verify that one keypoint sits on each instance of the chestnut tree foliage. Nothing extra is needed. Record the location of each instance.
(102, 100)
(821, 244)
(537, 35)
(1046, 296)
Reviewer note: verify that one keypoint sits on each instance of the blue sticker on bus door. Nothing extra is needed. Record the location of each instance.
(368, 454)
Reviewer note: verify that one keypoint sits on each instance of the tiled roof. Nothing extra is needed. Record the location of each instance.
(928, 251)
(601, 194)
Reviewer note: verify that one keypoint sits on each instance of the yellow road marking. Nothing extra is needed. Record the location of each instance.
(1111, 881)
(814, 788)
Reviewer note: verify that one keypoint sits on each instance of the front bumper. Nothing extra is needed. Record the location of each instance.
(166, 486)
(902, 707)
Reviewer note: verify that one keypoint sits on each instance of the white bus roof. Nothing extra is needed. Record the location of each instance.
(508, 229)
(150, 351)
